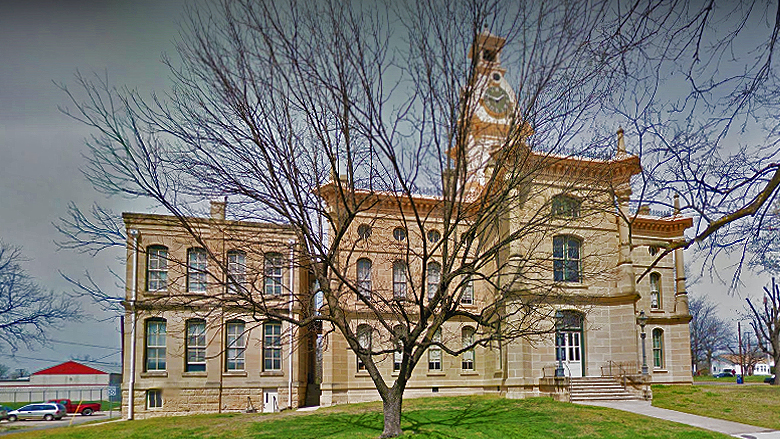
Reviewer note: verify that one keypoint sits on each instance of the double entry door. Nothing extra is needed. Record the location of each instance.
(568, 351)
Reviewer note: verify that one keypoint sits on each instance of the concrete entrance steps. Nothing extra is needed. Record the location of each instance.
(599, 389)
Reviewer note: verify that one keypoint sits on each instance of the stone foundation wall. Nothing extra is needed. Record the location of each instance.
(177, 402)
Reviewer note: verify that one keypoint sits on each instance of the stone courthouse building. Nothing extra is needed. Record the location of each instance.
(183, 355)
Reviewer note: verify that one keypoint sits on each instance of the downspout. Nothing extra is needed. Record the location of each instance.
(133, 324)
(290, 315)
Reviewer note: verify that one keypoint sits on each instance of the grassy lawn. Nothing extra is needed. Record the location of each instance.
(461, 417)
(748, 379)
(754, 405)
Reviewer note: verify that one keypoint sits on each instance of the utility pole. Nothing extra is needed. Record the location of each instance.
(741, 357)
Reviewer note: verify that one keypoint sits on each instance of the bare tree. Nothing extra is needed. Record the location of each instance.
(314, 115)
(710, 335)
(765, 321)
(27, 311)
(705, 126)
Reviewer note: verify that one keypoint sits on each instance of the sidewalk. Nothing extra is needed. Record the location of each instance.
(727, 427)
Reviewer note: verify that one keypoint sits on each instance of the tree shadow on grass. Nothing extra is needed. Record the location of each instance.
(459, 421)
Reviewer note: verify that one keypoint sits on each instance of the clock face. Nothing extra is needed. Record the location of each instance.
(496, 100)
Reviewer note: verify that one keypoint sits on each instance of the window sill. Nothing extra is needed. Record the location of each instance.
(155, 374)
(660, 371)
(469, 373)
(657, 310)
(436, 373)
(362, 374)
(194, 374)
(234, 373)
(272, 373)
(575, 285)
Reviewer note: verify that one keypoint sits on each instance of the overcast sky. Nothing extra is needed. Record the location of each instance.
(40, 148)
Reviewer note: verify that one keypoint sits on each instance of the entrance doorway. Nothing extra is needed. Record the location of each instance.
(270, 401)
(569, 344)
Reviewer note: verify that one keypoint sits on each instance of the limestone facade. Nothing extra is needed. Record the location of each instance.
(615, 273)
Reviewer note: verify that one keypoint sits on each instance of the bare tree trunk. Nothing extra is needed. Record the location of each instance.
(391, 408)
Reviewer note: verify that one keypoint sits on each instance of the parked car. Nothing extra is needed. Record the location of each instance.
(724, 374)
(769, 380)
(47, 411)
(4, 412)
(85, 408)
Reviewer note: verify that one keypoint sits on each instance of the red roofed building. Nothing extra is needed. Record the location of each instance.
(70, 379)
(70, 373)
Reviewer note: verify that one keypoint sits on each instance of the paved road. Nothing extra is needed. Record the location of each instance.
(7, 427)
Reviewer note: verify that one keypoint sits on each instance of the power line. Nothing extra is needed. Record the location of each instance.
(60, 361)
(84, 344)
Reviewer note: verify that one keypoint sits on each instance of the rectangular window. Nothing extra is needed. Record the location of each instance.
(273, 274)
(658, 348)
(364, 340)
(236, 345)
(364, 278)
(154, 399)
(155, 345)
(236, 271)
(272, 346)
(196, 346)
(196, 270)
(655, 290)
(434, 278)
(399, 280)
(566, 259)
(398, 357)
(467, 298)
(157, 268)
(467, 362)
(564, 206)
(434, 353)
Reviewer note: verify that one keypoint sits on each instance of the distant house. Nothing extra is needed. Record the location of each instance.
(730, 362)
(70, 379)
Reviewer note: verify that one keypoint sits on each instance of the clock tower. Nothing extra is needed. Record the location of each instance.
(492, 113)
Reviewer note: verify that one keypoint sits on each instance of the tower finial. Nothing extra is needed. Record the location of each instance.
(621, 145)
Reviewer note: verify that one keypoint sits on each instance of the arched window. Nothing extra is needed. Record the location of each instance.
(196, 270)
(272, 346)
(398, 355)
(364, 340)
(467, 335)
(658, 348)
(364, 278)
(434, 236)
(156, 268)
(364, 231)
(434, 352)
(196, 345)
(434, 278)
(565, 206)
(235, 340)
(655, 291)
(399, 234)
(399, 280)
(567, 266)
(236, 271)
(155, 344)
(272, 282)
